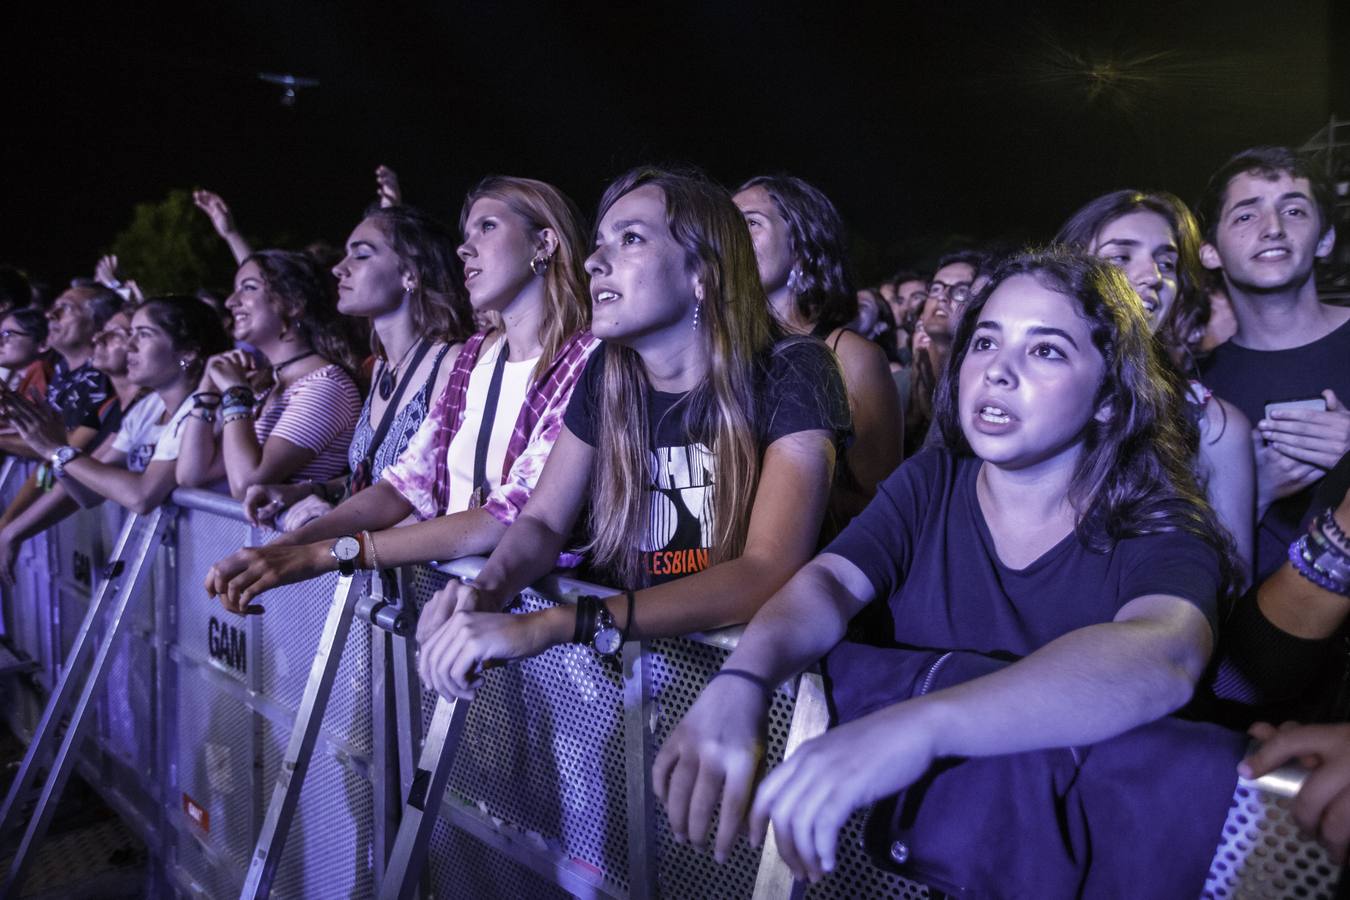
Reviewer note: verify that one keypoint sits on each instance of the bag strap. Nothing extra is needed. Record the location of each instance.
(489, 418)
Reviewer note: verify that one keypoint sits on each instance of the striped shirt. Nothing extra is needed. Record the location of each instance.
(317, 412)
(421, 474)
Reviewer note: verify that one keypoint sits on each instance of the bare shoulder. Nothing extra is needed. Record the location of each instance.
(858, 356)
(1223, 423)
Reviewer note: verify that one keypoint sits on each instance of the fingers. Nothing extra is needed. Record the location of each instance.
(1333, 402)
(435, 613)
(1279, 747)
(736, 793)
(679, 791)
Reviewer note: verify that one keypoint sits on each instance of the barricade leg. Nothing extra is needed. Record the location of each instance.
(286, 792)
(810, 717)
(126, 577)
(424, 800)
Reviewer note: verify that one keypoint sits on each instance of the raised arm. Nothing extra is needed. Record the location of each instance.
(223, 222)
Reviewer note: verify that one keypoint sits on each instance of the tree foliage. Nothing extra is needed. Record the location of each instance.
(170, 247)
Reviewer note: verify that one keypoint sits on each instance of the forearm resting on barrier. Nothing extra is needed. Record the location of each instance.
(139, 492)
(376, 508)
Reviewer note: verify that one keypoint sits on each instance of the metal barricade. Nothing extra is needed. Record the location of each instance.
(547, 781)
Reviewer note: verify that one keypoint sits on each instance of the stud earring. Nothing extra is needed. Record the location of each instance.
(183, 364)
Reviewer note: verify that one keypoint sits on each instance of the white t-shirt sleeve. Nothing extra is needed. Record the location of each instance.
(171, 438)
(137, 422)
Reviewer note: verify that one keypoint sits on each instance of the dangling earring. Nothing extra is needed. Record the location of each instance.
(697, 309)
(796, 281)
(539, 265)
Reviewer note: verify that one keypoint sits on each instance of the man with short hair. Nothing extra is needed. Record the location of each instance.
(77, 390)
(1267, 217)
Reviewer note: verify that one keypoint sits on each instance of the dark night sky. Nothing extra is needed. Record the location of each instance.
(922, 120)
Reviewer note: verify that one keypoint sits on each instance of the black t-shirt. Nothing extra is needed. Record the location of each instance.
(924, 545)
(799, 389)
(1249, 379)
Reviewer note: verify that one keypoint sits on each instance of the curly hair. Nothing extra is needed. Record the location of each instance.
(306, 296)
(1134, 476)
(823, 289)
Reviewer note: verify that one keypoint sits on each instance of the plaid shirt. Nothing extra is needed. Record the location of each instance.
(421, 474)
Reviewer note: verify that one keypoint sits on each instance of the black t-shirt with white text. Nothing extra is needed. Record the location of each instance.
(799, 389)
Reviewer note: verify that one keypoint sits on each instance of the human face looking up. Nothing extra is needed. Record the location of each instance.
(18, 348)
(371, 278)
(770, 235)
(1269, 234)
(71, 321)
(256, 318)
(110, 346)
(642, 288)
(497, 250)
(152, 361)
(1029, 381)
(1143, 246)
(951, 284)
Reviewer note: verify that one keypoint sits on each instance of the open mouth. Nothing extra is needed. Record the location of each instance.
(994, 415)
(606, 297)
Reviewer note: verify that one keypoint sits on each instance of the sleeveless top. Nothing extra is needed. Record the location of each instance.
(401, 430)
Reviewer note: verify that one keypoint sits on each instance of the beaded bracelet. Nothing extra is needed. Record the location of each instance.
(1303, 561)
(238, 417)
(232, 408)
(206, 413)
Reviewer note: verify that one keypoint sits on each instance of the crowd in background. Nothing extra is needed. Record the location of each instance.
(1038, 514)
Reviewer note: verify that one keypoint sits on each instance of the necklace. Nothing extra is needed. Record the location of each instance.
(276, 370)
(389, 377)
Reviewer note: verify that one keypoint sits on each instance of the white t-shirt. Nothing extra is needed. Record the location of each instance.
(516, 378)
(143, 439)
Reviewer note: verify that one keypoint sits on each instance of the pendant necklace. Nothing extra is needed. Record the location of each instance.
(389, 377)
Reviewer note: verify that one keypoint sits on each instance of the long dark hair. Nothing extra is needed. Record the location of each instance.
(426, 249)
(1180, 332)
(1134, 476)
(307, 296)
(822, 287)
(740, 334)
(192, 326)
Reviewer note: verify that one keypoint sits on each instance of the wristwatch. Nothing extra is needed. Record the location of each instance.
(346, 550)
(607, 638)
(60, 456)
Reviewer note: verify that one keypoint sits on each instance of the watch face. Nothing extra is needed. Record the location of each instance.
(346, 548)
(608, 640)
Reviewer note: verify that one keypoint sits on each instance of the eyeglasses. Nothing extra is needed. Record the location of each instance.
(7, 333)
(956, 293)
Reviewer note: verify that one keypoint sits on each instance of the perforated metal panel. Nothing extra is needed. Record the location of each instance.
(127, 714)
(461, 866)
(329, 849)
(203, 538)
(543, 750)
(290, 638)
(1262, 857)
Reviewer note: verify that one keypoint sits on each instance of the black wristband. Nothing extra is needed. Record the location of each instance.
(628, 619)
(757, 680)
(585, 626)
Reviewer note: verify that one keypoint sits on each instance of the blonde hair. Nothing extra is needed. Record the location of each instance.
(567, 307)
(736, 325)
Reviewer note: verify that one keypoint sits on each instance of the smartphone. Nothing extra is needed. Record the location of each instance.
(1317, 403)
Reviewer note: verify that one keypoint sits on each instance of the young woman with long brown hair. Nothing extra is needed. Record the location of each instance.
(703, 440)
(522, 256)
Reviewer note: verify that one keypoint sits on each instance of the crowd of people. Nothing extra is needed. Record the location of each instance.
(1045, 519)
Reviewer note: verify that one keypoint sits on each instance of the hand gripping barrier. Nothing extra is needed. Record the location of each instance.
(298, 733)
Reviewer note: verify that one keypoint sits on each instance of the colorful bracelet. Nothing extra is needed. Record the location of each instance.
(1314, 568)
